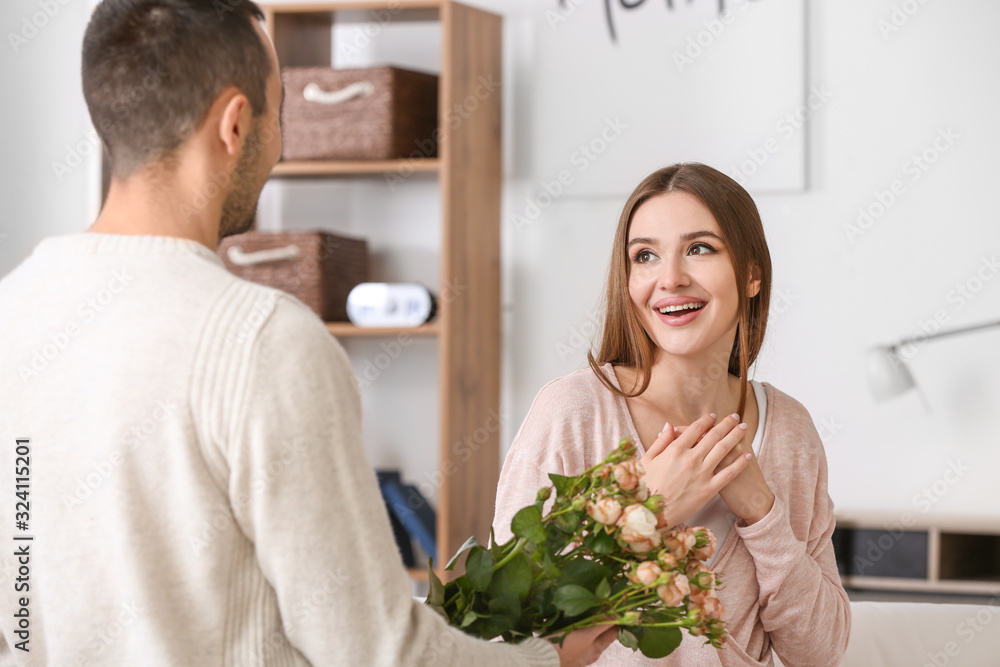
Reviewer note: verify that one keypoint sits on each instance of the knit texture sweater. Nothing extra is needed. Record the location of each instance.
(781, 589)
(199, 494)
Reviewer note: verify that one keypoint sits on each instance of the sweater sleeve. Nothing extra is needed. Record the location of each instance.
(803, 605)
(321, 523)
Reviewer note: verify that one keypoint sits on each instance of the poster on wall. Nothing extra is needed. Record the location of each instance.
(627, 86)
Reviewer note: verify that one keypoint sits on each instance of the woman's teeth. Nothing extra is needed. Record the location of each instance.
(677, 309)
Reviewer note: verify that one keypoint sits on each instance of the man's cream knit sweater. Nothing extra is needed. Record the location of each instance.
(198, 490)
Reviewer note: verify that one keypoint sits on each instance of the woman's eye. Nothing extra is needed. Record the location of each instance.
(703, 247)
(644, 256)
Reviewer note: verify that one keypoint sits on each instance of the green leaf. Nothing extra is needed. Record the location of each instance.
(488, 627)
(603, 590)
(586, 573)
(573, 600)
(479, 568)
(627, 638)
(659, 642)
(562, 483)
(507, 606)
(435, 591)
(469, 543)
(600, 542)
(513, 578)
(555, 539)
(469, 619)
(528, 524)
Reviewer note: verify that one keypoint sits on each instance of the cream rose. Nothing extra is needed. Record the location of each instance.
(604, 510)
(679, 543)
(675, 590)
(647, 573)
(638, 526)
(705, 543)
(627, 475)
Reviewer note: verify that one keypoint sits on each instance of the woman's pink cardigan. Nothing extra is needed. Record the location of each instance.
(781, 589)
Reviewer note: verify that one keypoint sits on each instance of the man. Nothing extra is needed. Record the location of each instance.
(186, 443)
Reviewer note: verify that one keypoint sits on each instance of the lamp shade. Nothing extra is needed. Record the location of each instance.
(888, 375)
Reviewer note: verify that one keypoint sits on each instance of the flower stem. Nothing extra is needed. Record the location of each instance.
(515, 551)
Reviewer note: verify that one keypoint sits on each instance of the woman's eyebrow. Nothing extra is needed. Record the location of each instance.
(641, 240)
(690, 236)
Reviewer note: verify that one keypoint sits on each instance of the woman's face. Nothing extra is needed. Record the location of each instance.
(681, 280)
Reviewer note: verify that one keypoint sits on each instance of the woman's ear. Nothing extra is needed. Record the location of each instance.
(753, 286)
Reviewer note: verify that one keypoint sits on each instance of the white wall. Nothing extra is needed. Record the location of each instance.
(891, 96)
(43, 119)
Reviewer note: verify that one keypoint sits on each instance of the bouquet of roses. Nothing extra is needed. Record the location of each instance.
(601, 554)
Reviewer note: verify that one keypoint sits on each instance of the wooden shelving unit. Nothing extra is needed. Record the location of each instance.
(468, 167)
(918, 553)
(355, 168)
(346, 329)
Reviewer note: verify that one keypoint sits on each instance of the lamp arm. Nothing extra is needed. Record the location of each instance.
(941, 334)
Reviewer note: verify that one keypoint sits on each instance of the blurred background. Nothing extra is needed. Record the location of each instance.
(882, 224)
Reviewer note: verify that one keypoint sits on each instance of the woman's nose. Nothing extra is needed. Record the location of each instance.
(673, 274)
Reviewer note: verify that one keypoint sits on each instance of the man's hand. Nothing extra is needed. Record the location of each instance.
(585, 646)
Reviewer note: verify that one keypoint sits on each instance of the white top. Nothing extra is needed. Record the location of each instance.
(199, 493)
(716, 515)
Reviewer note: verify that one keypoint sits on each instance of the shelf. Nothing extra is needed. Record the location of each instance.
(355, 167)
(469, 174)
(918, 553)
(348, 330)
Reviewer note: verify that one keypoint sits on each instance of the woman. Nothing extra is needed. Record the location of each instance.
(687, 302)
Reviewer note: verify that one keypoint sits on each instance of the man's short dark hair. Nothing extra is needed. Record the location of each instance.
(152, 68)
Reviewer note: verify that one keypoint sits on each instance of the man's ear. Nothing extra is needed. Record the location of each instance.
(753, 286)
(235, 121)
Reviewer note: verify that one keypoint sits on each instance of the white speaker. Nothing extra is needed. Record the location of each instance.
(390, 305)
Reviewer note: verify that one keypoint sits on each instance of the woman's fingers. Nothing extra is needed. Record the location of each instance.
(722, 478)
(716, 445)
(695, 431)
(665, 437)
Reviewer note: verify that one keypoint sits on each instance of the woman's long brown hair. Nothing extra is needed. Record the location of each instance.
(624, 341)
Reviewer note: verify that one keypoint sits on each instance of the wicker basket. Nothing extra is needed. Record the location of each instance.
(318, 268)
(377, 113)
